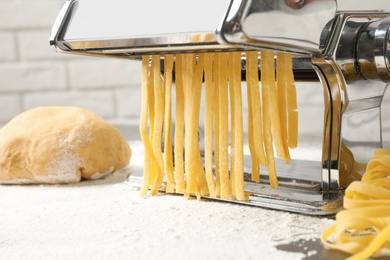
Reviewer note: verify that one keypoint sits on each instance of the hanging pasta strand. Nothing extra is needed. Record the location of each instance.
(274, 105)
(151, 102)
(292, 131)
(238, 136)
(255, 176)
(185, 172)
(189, 164)
(144, 124)
(252, 59)
(168, 160)
(179, 127)
(208, 124)
(268, 82)
(197, 92)
(216, 125)
(194, 170)
(158, 123)
(233, 129)
(223, 128)
(280, 109)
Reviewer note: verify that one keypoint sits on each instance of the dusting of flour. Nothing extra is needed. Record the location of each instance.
(107, 219)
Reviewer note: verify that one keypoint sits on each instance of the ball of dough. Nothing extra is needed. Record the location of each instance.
(59, 145)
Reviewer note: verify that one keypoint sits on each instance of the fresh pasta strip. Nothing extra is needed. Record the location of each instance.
(255, 176)
(363, 228)
(216, 125)
(208, 123)
(168, 160)
(292, 122)
(280, 99)
(194, 171)
(268, 82)
(151, 102)
(190, 129)
(233, 130)
(281, 81)
(158, 124)
(144, 125)
(257, 111)
(223, 128)
(179, 127)
(237, 125)
(218, 75)
(274, 102)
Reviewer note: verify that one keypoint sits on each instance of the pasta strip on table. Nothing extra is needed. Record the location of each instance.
(363, 228)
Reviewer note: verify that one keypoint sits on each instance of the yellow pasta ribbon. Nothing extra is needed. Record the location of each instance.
(218, 75)
(363, 228)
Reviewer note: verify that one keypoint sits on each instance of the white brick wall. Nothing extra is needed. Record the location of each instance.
(33, 74)
(8, 46)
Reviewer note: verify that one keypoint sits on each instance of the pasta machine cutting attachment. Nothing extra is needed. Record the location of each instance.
(346, 48)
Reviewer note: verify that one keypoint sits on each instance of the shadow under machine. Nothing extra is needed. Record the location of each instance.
(345, 50)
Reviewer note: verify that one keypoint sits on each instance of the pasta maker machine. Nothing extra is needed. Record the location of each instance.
(346, 49)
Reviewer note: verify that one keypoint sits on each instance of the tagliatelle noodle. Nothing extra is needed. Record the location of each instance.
(189, 69)
(251, 137)
(168, 160)
(256, 104)
(223, 128)
(216, 125)
(179, 127)
(268, 82)
(158, 123)
(238, 137)
(144, 125)
(223, 94)
(196, 183)
(280, 108)
(363, 228)
(233, 130)
(292, 122)
(151, 102)
(208, 123)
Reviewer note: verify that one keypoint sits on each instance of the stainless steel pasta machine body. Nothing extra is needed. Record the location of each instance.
(349, 49)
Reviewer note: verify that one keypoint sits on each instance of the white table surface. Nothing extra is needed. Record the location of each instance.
(108, 219)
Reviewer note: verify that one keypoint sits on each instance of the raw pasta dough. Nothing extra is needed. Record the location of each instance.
(59, 145)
